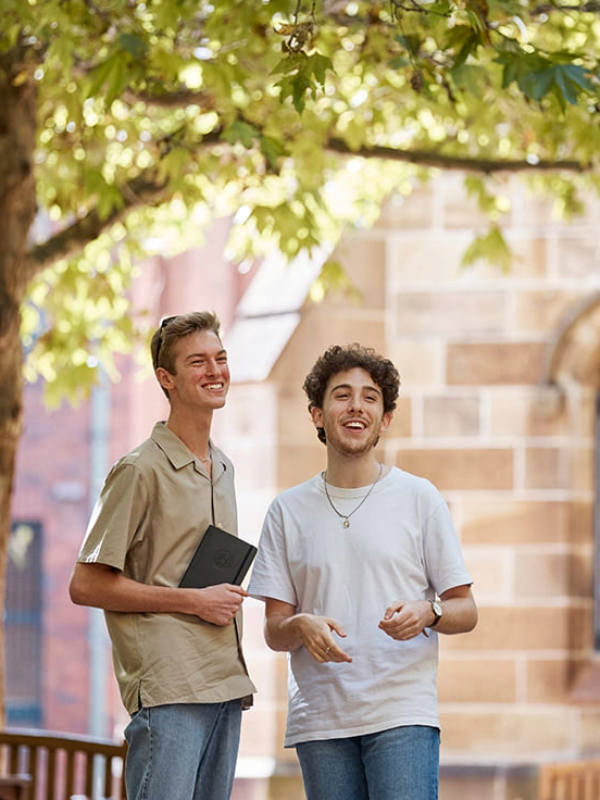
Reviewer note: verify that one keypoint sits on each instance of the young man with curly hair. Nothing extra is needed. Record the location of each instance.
(177, 652)
(360, 569)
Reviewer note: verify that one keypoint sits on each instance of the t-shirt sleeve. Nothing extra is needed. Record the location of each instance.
(271, 576)
(444, 560)
(117, 516)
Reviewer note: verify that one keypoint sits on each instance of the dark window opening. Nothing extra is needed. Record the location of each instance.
(23, 625)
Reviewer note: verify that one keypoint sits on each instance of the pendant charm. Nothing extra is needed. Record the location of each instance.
(346, 523)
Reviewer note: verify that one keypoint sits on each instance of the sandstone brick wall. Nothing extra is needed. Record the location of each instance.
(512, 456)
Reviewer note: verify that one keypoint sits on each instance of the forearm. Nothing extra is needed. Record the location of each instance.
(284, 633)
(459, 614)
(102, 587)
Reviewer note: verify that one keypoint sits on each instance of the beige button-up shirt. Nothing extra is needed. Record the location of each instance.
(155, 505)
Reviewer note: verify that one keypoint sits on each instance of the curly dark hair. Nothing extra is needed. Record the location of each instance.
(341, 358)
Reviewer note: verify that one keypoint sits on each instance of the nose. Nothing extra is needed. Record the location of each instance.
(356, 405)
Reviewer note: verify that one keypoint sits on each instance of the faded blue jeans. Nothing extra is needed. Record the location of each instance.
(183, 751)
(397, 764)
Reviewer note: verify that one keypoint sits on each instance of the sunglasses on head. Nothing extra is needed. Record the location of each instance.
(163, 324)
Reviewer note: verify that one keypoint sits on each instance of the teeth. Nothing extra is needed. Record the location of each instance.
(214, 386)
(357, 425)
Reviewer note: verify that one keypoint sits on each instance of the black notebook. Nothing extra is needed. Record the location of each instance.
(219, 558)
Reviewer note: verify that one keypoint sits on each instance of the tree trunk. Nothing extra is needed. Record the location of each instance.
(17, 211)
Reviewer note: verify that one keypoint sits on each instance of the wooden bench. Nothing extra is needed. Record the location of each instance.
(58, 766)
(574, 780)
(15, 788)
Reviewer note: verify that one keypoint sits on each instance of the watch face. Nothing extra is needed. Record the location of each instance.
(437, 609)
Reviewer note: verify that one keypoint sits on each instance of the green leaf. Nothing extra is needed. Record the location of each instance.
(318, 66)
(296, 87)
(411, 43)
(462, 40)
(290, 64)
(490, 247)
(110, 198)
(334, 278)
(272, 150)
(135, 46)
(240, 131)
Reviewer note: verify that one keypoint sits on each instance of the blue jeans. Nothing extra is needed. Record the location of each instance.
(183, 751)
(397, 764)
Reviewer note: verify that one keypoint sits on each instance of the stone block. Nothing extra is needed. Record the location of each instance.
(364, 259)
(320, 327)
(298, 463)
(509, 733)
(294, 423)
(590, 730)
(477, 681)
(466, 786)
(259, 733)
(492, 570)
(578, 255)
(415, 258)
(286, 787)
(434, 312)
(401, 424)
(450, 415)
(530, 211)
(529, 254)
(494, 364)
(541, 310)
(466, 468)
(516, 411)
(523, 522)
(545, 468)
(554, 575)
(483, 782)
(549, 680)
(527, 627)
(459, 209)
(412, 211)
(581, 471)
(419, 361)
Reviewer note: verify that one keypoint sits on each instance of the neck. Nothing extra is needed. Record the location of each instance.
(195, 434)
(352, 473)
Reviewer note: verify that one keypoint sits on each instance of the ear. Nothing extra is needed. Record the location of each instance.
(164, 377)
(317, 417)
(386, 420)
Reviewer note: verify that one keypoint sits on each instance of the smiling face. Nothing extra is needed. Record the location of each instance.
(352, 415)
(201, 374)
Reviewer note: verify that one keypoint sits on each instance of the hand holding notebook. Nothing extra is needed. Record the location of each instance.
(219, 558)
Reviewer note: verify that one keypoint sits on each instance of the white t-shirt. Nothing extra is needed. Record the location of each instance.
(401, 545)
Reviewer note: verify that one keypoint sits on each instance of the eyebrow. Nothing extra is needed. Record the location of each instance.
(205, 354)
(365, 388)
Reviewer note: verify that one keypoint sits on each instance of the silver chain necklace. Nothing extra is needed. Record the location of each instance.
(346, 517)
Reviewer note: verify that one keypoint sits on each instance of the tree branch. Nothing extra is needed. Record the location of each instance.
(428, 158)
(146, 190)
(70, 241)
(175, 99)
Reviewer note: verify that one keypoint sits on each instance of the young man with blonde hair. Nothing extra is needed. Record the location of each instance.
(177, 652)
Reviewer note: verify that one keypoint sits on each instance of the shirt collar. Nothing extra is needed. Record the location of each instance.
(179, 455)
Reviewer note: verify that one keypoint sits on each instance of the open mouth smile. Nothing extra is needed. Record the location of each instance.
(355, 425)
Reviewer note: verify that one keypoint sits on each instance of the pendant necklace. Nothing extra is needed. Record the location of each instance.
(346, 517)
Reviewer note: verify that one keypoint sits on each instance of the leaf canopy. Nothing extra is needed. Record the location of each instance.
(156, 116)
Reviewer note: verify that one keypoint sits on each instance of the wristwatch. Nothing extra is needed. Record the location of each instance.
(437, 610)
